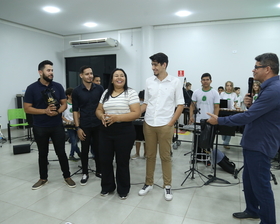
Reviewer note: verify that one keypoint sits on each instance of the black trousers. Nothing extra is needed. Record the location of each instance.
(92, 138)
(57, 135)
(117, 139)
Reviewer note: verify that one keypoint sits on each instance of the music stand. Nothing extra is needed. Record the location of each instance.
(192, 170)
(80, 169)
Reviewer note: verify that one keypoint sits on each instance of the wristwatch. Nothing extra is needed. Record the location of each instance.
(77, 128)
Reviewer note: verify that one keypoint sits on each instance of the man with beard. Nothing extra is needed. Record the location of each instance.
(46, 100)
(85, 99)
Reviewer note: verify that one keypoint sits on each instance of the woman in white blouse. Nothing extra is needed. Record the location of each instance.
(231, 97)
(118, 107)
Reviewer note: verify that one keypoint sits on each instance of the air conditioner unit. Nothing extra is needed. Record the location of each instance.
(94, 43)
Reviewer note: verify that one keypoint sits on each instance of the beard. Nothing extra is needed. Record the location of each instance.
(47, 79)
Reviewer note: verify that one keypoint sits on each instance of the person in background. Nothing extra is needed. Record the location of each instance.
(187, 92)
(96, 79)
(221, 89)
(46, 100)
(256, 90)
(231, 97)
(239, 98)
(85, 98)
(118, 107)
(260, 140)
(207, 99)
(163, 94)
(139, 132)
(68, 120)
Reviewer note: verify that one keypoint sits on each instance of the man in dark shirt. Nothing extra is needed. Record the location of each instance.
(260, 141)
(47, 121)
(85, 99)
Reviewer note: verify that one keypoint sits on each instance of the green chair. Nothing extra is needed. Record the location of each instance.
(16, 114)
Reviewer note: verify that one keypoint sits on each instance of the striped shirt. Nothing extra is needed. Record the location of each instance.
(119, 104)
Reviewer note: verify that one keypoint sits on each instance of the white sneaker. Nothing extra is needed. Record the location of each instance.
(167, 193)
(145, 189)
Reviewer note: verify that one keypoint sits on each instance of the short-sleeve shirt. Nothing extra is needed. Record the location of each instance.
(120, 104)
(231, 97)
(205, 101)
(33, 95)
(86, 101)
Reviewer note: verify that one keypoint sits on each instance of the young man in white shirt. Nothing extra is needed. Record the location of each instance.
(163, 94)
(208, 99)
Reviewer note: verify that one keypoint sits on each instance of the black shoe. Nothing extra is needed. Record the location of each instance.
(244, 215)
(106, 193)
(98, 175)
(123, 196)
(84, 179)
(73, 158)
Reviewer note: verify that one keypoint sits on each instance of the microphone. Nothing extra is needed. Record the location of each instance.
(250, 85)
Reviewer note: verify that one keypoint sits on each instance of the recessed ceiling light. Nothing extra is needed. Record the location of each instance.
(51, 9)
(278, 5)
(183, 13)
(90, 24)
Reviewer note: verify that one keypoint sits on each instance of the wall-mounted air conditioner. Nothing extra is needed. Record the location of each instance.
(94, 43)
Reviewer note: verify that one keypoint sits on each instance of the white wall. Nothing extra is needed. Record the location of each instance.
(21, 50)
(208, 48)
(195, 48)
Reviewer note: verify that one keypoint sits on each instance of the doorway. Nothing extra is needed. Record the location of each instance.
(101, 65)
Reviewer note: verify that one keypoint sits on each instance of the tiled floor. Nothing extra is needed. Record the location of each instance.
(55, 203)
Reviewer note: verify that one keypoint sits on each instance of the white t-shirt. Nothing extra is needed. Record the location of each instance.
(68, 113)
(239, 102)
(205, 101)
(232, 97)
(119, 104)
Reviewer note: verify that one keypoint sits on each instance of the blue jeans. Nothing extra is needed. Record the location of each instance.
(57, 135)
(257, 188)
(74, 141)
(226, 139)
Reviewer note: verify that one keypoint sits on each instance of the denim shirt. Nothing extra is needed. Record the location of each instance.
(262, 120)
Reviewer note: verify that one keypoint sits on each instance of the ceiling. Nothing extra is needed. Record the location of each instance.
(127, 14)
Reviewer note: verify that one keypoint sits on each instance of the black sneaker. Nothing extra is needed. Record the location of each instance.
(123, 196)
(98, 175)
(84, 179)
(73, 158)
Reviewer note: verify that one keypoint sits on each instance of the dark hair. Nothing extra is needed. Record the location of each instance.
(141, 94)
(270, 60)
(160, 58)
(188, 84)
(96, 76)
(68, 91)
(111, 86)
(83, 68)
(236, 88)
(206, 75)
(41, 66)
(221, 87)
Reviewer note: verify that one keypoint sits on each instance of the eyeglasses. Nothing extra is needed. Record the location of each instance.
(261, 66)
